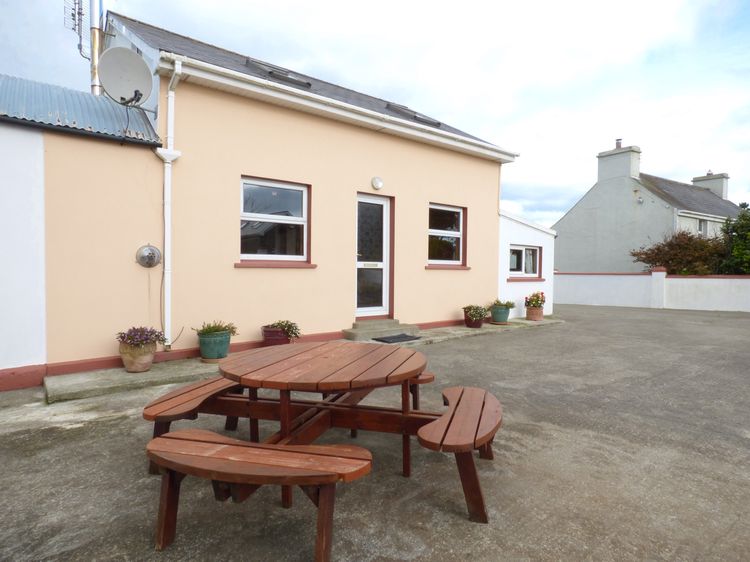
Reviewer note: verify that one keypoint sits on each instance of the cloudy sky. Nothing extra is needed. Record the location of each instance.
(555, 81)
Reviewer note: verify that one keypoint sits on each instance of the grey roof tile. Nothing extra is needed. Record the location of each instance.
(45, 105)
(687, 197)
(170, 42)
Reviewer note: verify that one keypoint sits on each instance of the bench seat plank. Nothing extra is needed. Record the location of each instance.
(462, 431)
(266, 464)
(187, 399)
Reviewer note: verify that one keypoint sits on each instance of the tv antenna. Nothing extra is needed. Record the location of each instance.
(125, 76)
(75, 18)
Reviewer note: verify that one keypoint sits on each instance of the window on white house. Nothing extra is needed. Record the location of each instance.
(445, 237)
(273, 220)
(703, 227)
(524, 261)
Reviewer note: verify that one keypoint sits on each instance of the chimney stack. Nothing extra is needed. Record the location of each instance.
(718, 183)
(620, 162)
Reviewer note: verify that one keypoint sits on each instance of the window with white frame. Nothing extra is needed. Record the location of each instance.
(445, 237)
(524, 261)
(702, 227)
(273, 220)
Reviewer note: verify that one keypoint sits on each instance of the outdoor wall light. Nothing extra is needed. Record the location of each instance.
(377, 183)
(640, 200)
(148, 256)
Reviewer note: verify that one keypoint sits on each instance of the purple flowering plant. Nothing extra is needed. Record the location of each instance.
(535, 300)
(141, 336)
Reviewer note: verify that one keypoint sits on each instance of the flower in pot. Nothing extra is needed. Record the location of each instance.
(213, 338)
(137, 348)
(500, 310)
(535, 306)
(280, 332)
(474, 315)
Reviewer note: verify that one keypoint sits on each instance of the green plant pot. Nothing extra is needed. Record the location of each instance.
(500, 314)
(214, 346)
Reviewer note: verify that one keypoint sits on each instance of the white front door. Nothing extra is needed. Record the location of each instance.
(373, 259)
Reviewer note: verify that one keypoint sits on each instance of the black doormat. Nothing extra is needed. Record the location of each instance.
(398, 338)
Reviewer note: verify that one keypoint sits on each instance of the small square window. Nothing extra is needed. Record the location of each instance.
(524, 261)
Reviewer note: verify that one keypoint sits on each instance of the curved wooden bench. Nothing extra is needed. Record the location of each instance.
(473, 417)
(238, 468)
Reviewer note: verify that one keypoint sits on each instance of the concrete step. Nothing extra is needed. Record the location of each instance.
(368, 329)
(107, 381)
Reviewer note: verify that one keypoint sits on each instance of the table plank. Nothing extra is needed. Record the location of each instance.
(293, 364)
(341, 379)
(409, 368)
(307, 377)
(377, 375)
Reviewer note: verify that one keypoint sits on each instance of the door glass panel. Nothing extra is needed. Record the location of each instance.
(259, 237)
(443, 248)
(370, 232)
(369, 287)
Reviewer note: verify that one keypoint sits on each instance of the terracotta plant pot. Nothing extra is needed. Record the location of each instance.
(473, 323)
(534, 313)
(137, 358)
(274, 336)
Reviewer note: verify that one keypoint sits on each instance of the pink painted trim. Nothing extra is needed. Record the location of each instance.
(439, 324)
(22, 377)
(599, 273)
(525, 279)
(436, 266)
(743, 277)
(29, 376)
(270, 264)
(658, 269)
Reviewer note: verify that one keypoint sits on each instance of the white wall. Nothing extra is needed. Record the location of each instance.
(656, 290)
(517, 232)
(22, 284)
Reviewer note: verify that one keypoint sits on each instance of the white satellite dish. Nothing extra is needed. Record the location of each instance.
(125, 76)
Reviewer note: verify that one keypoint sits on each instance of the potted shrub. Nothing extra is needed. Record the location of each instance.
(137, 348)
(474, 315)
(280, 332)
(500, 311)
(535, 306)
(213, 338)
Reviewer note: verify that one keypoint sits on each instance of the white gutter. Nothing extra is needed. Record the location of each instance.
(169, 155)
(696, 215)
(251, 86)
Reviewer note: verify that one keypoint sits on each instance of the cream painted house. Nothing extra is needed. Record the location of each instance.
(271, 195)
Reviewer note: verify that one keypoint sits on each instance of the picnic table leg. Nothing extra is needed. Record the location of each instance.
(472, 490)
(166, 523)
(254, 433)
(414, 389)
(230, 424)
(285, 419)
(405, 439)
(326, 499)
(485, 451)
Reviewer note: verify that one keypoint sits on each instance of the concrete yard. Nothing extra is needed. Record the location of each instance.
(626, 437)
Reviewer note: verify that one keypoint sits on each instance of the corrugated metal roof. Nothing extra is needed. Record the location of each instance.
(169, 42)
(687, 197)
(46, 105)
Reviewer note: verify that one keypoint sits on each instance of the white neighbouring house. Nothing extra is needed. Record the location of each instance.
(527, 263)
(627, 209)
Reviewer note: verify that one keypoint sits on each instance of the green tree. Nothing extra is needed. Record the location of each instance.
(736, 234)
(684, 253)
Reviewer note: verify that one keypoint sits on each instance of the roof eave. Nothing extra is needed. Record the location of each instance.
(698, 214)
(214, 76)
(525, 222)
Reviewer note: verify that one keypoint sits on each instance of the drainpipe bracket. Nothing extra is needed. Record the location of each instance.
(168, 155)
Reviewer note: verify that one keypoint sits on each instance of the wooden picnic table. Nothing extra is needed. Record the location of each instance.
(344, 373)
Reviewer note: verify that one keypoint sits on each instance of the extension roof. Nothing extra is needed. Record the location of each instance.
(687, 197)
(170, 42)
(53, 107)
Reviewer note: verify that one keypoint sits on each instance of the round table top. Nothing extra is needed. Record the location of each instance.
(323, 366)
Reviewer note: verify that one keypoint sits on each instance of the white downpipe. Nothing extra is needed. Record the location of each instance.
(169, 155)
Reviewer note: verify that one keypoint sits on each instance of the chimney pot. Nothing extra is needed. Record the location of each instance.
(618, 143)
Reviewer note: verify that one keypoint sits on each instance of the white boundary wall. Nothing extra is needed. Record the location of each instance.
(22, 284)
(655, 290)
